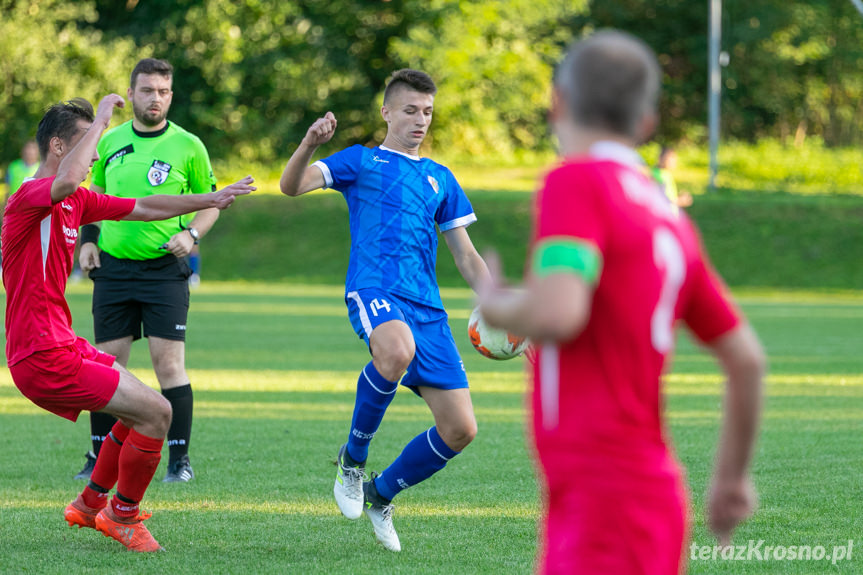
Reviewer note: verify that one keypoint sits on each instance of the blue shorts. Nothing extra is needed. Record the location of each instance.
(437, 362)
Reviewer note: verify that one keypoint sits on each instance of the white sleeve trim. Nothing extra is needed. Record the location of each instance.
(325, 170)
(461, 222)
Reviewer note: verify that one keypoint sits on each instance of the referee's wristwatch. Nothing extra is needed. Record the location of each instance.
(194, 233)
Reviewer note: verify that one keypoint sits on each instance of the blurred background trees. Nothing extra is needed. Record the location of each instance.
(252, 74)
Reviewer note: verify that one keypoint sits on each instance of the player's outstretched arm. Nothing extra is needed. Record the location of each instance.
(553, 307)
(298, 176)
(161, 207)
(76, 164)
(732, 498)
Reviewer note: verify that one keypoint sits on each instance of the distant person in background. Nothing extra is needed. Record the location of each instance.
(24, 167)
(664, 174)
(612, 269)
(139, 270)
(195, 266)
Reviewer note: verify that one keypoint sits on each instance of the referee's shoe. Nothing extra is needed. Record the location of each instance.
(179, 471)
(85, 473)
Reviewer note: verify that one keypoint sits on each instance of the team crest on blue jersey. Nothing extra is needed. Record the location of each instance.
(434, 184)
(158, 173)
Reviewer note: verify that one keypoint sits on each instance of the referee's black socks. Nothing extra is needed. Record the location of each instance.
(100, 426)
(181, 423)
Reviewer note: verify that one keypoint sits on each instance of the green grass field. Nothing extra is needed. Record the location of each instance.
(274, 368)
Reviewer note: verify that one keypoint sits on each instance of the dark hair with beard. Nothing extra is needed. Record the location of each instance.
(61, 121)
(610, 81)
(151, 66)
(411, 79)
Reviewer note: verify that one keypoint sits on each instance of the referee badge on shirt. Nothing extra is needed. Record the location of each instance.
(158, 173)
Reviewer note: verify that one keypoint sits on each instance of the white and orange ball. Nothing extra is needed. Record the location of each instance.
(492, 342)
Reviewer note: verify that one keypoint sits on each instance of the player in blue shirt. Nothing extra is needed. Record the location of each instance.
(396, 199)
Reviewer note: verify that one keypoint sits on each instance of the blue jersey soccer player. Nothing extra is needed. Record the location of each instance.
(395, 200)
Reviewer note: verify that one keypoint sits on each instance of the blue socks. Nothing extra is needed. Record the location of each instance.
(424, 456)
(374, 394)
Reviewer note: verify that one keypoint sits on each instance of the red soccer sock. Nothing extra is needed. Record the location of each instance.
(108, 463)
(94, 499)
(139, 459)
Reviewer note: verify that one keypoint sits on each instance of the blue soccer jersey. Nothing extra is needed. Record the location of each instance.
(394, 201)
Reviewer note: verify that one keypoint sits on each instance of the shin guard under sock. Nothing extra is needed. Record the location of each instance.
(139, 459)
(424, 456)
(374, 394)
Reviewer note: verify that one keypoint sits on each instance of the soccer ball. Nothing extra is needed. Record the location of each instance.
(492, 342)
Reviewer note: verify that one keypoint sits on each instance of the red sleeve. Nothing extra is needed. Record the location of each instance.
(98, 207)
(568, 206)
(32, 194)
(710, 312)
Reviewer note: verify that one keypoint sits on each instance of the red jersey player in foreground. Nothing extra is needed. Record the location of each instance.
(612, 267)
(52, 367)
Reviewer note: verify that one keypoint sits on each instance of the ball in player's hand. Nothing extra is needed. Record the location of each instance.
(492, 342)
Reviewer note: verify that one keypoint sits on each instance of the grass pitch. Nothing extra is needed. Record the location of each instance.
(274, 368)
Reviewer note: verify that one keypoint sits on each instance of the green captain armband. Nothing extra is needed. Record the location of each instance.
(567, 255)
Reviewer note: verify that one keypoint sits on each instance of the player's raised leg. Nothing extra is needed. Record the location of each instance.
(429, 452)
(392, 347)
(129, 458)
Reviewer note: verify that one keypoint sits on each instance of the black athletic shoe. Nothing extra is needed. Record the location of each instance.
(85, 473)
(179, 471)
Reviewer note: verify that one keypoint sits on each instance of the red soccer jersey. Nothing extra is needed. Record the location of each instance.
(38, 243)
(597, 398)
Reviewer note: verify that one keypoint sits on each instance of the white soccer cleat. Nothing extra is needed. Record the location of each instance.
(348, 488)
(381, 516)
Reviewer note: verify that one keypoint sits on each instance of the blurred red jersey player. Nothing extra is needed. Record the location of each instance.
(613, 266)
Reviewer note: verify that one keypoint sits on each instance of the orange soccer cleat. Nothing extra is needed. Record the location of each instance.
(77, 513)
(130, 532)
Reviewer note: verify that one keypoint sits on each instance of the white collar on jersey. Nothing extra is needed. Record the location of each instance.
(411, 156)
(616, 152)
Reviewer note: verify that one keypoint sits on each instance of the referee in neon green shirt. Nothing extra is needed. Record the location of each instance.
(139, 270)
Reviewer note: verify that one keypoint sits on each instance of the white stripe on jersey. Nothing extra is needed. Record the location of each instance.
(364, 315)
(325, 170)
(549, 386)
(461, 222)
(45, 236)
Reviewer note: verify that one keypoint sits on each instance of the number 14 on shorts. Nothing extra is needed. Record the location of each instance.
(379, 304)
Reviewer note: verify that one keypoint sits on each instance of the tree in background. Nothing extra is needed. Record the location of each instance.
(493, 61)
(257, 71)
(45, 57)
(795, 67)
(253, 73)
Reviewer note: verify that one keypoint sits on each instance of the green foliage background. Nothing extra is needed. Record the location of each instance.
(755, 240)
(252, 74)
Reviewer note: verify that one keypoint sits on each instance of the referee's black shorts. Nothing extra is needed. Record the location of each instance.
(129, 294)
